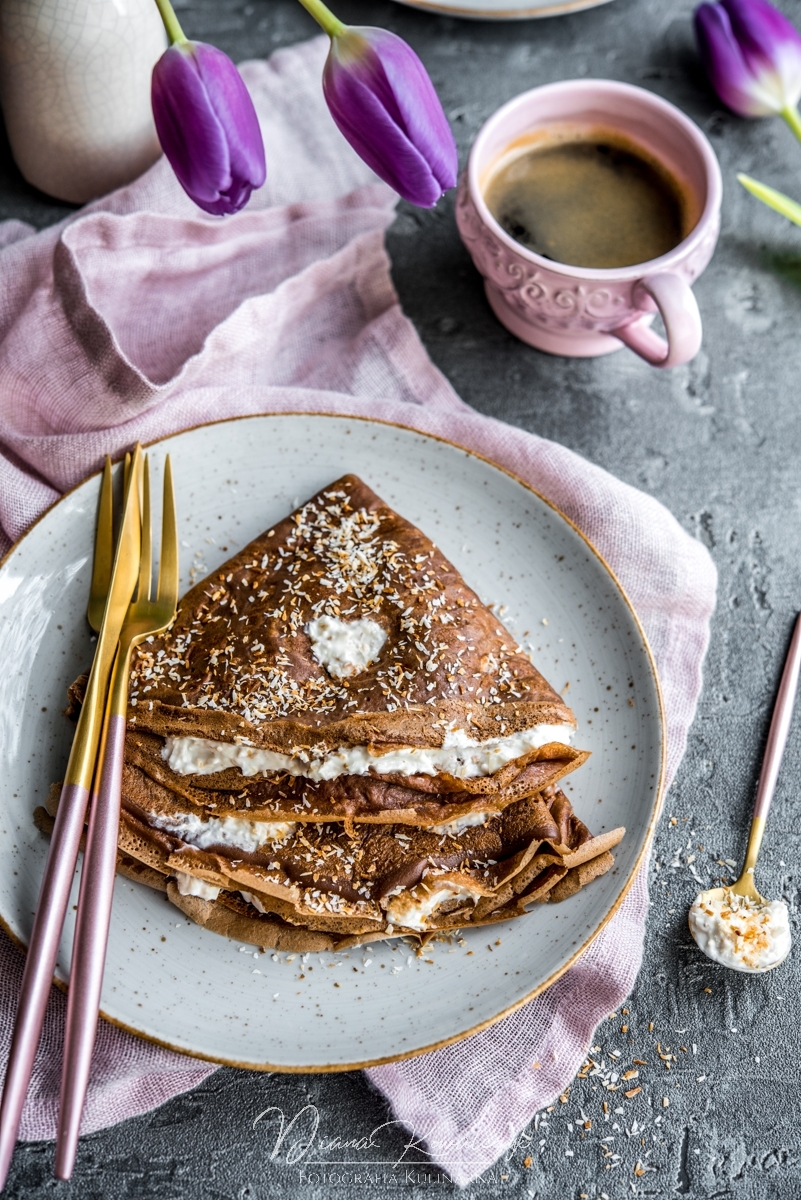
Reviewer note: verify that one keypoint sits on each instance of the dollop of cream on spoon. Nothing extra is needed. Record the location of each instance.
(738, 932)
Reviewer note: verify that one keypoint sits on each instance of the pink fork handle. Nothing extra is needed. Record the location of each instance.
(40, 963)
(678, 308)
(91, 941)
(779, 725)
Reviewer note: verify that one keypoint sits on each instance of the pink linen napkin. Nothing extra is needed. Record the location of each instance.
(138, 317)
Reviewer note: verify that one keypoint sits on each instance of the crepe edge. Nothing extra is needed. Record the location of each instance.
(533, 876)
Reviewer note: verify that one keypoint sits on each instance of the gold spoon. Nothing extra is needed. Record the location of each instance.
(735, 925)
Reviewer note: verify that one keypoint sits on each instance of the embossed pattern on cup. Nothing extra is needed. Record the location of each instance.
(546, 296)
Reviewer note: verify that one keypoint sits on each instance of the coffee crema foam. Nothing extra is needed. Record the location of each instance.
(588, 198)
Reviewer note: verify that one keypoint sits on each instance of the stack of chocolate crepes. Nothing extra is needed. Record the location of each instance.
(337, 741)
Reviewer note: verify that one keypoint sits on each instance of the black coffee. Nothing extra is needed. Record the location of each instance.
(588, 203)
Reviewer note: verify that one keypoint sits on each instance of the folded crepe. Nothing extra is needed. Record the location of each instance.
(318, 886)
(336, 691)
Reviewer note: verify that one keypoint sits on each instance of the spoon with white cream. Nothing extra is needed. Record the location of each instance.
(734, 925)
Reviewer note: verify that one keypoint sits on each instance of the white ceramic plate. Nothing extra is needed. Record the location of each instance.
(503, 10)
(185, 987)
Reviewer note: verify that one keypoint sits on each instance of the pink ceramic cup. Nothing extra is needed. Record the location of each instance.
(582, 311)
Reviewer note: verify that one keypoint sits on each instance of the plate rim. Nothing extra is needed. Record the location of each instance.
(505, 14)
(633, 873)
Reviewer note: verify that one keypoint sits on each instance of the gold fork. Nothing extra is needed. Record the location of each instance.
(144, 618)
(113, 586)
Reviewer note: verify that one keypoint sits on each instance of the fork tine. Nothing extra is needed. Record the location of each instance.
(104, 550)
(145, 563)
(168, 555)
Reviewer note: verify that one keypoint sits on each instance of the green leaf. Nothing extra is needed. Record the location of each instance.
(775, 200)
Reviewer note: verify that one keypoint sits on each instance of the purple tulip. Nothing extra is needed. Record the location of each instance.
(207, 126)
(384, 104)
(752, 55)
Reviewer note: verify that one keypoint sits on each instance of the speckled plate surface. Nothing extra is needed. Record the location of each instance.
(177, 984)
(503, 10)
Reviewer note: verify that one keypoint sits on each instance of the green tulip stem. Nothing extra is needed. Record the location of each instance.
(323, 16)
(775, 200)
(171, 23)
(793, 120)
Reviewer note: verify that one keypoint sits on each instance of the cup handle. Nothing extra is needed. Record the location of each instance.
(678, 308)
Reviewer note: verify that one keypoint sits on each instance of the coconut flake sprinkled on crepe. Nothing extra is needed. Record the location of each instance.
(337, 740)
(239, 663)
(377, 880)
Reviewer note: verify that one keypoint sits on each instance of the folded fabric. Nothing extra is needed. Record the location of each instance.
(138, 317)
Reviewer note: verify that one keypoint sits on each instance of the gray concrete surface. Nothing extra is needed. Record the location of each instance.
(718, 442)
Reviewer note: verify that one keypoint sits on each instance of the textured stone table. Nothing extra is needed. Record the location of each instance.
(719, 443)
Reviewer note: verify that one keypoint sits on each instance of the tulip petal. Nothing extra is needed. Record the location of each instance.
(385, 105)
(207, 126)
(230, 99)
(364, 122)
(771, 48)
(752, 55)
(190, 133)
(424, 121)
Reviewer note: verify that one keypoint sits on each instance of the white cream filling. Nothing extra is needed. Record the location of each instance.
(466, 821)
(740, 934)
(459, 755)
(189, 885)
(222, 831)
(411, 907)
(345, 648)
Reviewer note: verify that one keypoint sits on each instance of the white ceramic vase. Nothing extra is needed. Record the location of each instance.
(75, 91)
